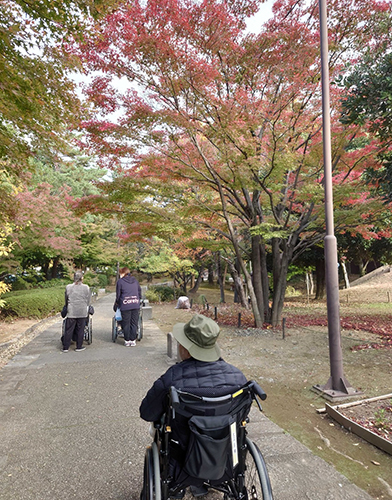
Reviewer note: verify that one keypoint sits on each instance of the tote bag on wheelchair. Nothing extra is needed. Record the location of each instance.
(209, 452)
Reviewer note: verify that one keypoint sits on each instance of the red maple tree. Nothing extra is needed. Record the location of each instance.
(231, 122)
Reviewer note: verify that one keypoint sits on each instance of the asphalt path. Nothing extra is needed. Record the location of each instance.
(70, 425)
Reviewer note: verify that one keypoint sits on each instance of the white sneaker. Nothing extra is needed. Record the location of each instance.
(132, 343)
(128, 343)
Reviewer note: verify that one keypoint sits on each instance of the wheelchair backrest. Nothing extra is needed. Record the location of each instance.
(207, 429)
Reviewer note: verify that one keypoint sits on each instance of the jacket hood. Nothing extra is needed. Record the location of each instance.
(129, 279)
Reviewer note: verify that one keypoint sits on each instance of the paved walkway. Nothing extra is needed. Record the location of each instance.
(70, 427)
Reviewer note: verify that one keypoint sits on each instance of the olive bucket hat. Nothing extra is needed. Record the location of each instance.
(199, 337)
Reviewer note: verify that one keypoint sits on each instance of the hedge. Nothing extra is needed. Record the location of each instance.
(165, 293)
(37, 303)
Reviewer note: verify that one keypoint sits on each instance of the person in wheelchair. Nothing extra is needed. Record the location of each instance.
(201, 372)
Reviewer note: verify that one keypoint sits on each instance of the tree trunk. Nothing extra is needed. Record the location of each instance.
(238, 254)
(54, 267)
(320, 278)
(309, 283)
(281, 256)
(210, 274)
(184, 285)
(237, 294)
(45, 269)
(198, 281)
(220, 277)
(265, 282)
(345, 275)
(251, 292)
(257, 275)
(238, 286)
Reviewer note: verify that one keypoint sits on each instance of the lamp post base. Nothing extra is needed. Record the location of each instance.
(345, 391)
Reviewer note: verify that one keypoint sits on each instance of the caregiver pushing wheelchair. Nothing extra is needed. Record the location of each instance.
(128, 299)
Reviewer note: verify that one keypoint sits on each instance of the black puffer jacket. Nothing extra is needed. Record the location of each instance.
(198, 377)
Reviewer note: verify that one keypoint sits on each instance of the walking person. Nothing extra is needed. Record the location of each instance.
(77, 301)
(128, 297)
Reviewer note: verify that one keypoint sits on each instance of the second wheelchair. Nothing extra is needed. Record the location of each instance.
(87, 332)
(117, 330)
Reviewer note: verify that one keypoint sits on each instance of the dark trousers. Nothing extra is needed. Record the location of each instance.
(129, 322)
(74, 325)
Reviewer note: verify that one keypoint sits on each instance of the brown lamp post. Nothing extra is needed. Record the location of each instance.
(337, 386)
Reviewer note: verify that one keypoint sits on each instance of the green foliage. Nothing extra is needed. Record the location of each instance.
(294, 272)
(203, 300)
(368, 101)
(292, 292)
(55, 283)
(91, 279)
(165, 292)
(152, 295)
(369, 94)
(38, 102)
(21, 284)
(380, 417)
(268, 231)
(161, 259)
(99, 242)
(37, 303)
(102, 280)
(78, 173)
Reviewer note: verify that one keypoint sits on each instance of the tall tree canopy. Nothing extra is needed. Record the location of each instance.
(369, 103)
(224, 128)
(38, 102)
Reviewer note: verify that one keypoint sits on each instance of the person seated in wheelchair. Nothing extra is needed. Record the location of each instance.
(201, 372)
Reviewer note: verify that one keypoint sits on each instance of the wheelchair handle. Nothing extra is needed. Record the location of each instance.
(174, 396)
(257, 390)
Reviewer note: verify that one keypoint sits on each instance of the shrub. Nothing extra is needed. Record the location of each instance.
(165, 293)
(55, 283)
(292, 292)
(38, 303)
(20, 284)
(91, 279)
(152, 295)
(102, 280)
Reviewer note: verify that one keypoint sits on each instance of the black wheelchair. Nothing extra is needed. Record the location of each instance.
(216, 453)
(87, 333)
(117, 331)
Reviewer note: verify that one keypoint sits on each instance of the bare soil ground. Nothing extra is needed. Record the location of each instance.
(288, 368)
(10, 330)
(375, 416)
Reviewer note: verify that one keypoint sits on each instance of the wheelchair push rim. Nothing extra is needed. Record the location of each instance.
(139, 333)
(257, 483)
(152, 476)
(88, 331)
(114, 329)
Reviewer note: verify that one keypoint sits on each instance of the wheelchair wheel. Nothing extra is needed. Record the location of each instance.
(114, 329)
(88, 330)
(152, 475)
(139, 333)
(257, 482)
